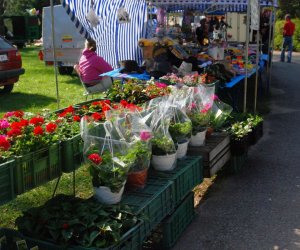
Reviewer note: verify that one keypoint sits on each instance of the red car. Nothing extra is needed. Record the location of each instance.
(10, 65)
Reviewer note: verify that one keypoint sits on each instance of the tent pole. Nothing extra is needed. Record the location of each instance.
(54, 54)
(246, 56)
(269, 50)
(272, 51)
(257, 65)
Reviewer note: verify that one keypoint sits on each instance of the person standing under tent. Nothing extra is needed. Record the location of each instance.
(201, 31)
(288, 32)
(91, 66)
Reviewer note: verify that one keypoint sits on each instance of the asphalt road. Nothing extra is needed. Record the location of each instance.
(259, 208)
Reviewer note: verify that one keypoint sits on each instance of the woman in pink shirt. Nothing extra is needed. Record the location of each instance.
(91, 66)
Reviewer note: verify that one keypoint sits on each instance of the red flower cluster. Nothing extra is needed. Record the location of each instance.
(37, 121)
(68, 111)
(17, 113)
(98, 117)
(95, 158)
(51, 127)
(38, 131)
(130, 106)
(4, 143)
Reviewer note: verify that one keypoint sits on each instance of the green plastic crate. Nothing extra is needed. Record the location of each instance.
(154, 203)
(129, 241)
(187, 175)
(37, 168)
(175, 224)
(237, 162)
(71, 153)
(7, 192)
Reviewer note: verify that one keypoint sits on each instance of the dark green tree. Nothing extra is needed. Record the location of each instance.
(291, 7)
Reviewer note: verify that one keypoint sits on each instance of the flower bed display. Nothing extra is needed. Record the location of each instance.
(69, 222)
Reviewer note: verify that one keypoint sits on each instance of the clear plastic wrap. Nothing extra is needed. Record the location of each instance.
(220, 111)
(106, 157)
(163, 147)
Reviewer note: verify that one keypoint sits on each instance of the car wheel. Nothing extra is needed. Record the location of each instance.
(65, 70)
(6, 89)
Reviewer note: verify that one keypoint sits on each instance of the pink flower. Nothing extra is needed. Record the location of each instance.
(161, 85)
(9, 114)
(145, 135)
(4, 124)
(206, 108)
(215, 97)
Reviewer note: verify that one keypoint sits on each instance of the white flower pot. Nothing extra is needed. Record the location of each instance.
(198, 139)
(106, 196)
(182, 149)
(163, 162)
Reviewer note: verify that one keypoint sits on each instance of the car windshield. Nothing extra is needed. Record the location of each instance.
(4, 44)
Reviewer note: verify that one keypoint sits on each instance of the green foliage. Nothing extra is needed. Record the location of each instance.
(66, 221)
(291, 7)
(180, 131)
(162, 145)
(138, 156)
(199, 120)
(131, 91)
(110, 173)
(239, 130)
(278, 39)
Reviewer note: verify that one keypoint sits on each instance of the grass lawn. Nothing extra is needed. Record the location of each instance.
(36, 91)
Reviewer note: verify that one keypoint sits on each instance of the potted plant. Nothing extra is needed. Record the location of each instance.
(239, 137)
(181, 133)
(200, 120)
(163, 152)
(109, 175)
(67, 222)
(256, 124)
(138, 158)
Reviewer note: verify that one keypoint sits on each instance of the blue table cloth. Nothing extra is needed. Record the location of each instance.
(116, 74)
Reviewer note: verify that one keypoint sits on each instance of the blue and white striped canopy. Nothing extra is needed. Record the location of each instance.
(115, 41)
(203, 5)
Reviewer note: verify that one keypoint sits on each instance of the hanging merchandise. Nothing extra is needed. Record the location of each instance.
(92, 16)
(123, 16)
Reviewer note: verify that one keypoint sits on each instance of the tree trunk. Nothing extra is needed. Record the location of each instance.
(2, 31)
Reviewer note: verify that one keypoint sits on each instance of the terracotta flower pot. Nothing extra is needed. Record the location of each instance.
(137, 179)
(209, 131)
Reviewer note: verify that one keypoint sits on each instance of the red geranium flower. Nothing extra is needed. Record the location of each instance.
(14, 132)
(69, 109)
(105, 108)
(97, 116)
(16, 125)
(107, 102)
(4, 143)
(37, 121)
(124, 103)
(18, 113)
(38, 130)
(76, 118)
(95, 158)
(51, 127)
(24, 123)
